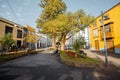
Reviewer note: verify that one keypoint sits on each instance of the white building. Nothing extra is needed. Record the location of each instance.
(84, 33)
(42, 41)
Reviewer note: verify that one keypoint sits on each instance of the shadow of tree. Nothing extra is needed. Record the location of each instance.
(47, 72)
(54, 72)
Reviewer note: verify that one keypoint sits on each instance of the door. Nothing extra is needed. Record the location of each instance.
(110, 46)
(96, 45)
(18, 43)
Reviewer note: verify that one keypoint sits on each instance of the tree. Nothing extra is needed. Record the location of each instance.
(83, 20)
(50, 29)
(78, 44)
(65, 27)
(52, 8)
(57, 24)
(71, 23)
(7, 41)
(46, 22)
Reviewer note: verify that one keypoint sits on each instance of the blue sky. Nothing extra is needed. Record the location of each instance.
(27, 11)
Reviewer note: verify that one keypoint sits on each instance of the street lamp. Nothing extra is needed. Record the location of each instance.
(104, 34)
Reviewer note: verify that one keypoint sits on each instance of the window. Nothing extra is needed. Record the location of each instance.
(107, 28)
(95, 32)
(106, 17)
(32, 33)
(95, 23)
(8, 29)
(29, 32)
(19, 34)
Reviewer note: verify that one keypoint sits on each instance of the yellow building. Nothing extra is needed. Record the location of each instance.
(29, 37)
(112, 29)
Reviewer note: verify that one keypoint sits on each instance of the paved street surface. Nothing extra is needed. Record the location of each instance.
(112, 60)
(42, 66)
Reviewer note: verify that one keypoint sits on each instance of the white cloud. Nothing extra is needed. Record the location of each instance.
(3, 6)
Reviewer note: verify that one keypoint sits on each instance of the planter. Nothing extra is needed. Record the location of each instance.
(80, 62)
(81, 65)
(70, 54)
(87, 65)
(67, 62)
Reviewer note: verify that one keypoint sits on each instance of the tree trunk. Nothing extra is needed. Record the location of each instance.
(53, 42)
(63, 43)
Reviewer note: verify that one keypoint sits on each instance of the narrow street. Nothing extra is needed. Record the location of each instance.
(42, 66)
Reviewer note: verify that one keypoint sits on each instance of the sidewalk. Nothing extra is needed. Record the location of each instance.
(46, 50)
(112, 60)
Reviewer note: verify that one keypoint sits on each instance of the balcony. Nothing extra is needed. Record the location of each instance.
(108, 35)
(108, 30)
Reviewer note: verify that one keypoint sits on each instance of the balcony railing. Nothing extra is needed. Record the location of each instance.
(108, 35)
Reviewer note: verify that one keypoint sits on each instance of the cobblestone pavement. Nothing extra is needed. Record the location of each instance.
(43, 66)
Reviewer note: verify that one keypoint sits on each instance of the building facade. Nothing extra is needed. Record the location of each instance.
(15, 29)
(43, 41)
(82, 33)
(29, 37)
(112, 30)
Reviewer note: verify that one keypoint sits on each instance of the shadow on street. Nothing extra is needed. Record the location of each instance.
(47, 66)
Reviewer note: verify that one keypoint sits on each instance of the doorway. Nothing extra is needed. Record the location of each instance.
(110, 46)
(18, 43)
(97, 45)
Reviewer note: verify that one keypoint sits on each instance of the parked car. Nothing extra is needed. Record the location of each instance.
(68, 48)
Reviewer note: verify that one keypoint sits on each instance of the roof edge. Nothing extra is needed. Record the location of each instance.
(10, 22)
(109, 9)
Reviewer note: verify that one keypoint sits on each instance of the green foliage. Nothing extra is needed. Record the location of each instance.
(56, 23)
(86, 60)
(10, 56)
(66, 22)
(47, 22)
(7, 40)
(78, 44)
(52, 8)
(82, 19)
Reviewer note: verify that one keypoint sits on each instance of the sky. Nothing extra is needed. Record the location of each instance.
(25, 12)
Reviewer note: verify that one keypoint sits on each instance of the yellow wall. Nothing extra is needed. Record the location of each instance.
(114, 15)
(31, 36)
